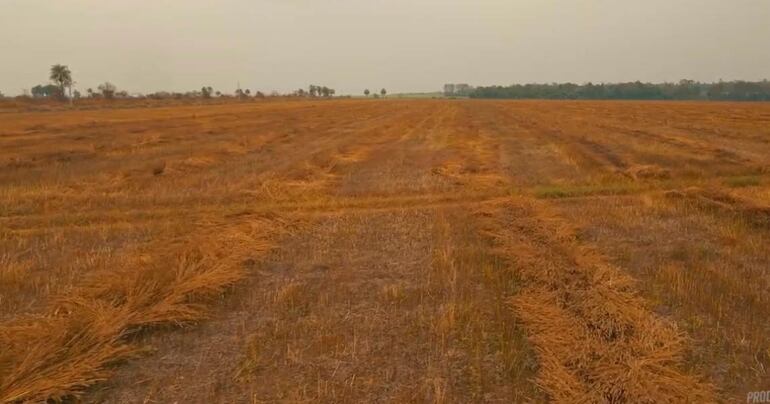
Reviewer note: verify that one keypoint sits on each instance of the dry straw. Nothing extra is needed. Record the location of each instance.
(73, 345)
(596, 340)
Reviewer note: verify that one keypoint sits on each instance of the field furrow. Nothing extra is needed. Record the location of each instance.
(386, 251)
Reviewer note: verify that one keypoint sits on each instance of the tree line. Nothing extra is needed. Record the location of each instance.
(315, 91)
(683, 90)
(61, 82)
(383, 93)
(457, 90)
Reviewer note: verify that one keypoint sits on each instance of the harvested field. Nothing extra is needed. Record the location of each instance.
(386, 251)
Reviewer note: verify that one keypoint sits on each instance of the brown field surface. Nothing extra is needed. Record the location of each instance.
(445, 251)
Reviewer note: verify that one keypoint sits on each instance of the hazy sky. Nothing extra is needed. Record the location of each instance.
(402, 45)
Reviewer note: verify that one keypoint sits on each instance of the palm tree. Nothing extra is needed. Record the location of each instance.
(366, 92)
(383, 92)
(62, 77)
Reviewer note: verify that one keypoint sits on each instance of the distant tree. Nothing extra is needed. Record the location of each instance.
(90, 92)
(332, 92)
(366, 92)
(247, 92)
(313, 90)
(325, 91)
(259, 94)
(686, 89)
(76, 94)
(218, 93)
(38, 91)
(46, 91)
(108, 90)
(206, 92)
(383, 92)
(463, 89)
(449, 89)
(62, 77)
(301, 92)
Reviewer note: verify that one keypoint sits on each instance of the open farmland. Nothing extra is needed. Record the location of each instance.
(386, 251)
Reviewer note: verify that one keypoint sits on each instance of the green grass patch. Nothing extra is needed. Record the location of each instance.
(743, 181)
(572, 191)
(436, 94)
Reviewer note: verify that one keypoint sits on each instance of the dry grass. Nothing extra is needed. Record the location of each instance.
(597, 341)
(411, 251)
(68, 347)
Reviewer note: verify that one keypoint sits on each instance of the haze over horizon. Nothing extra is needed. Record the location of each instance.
(401, 45)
